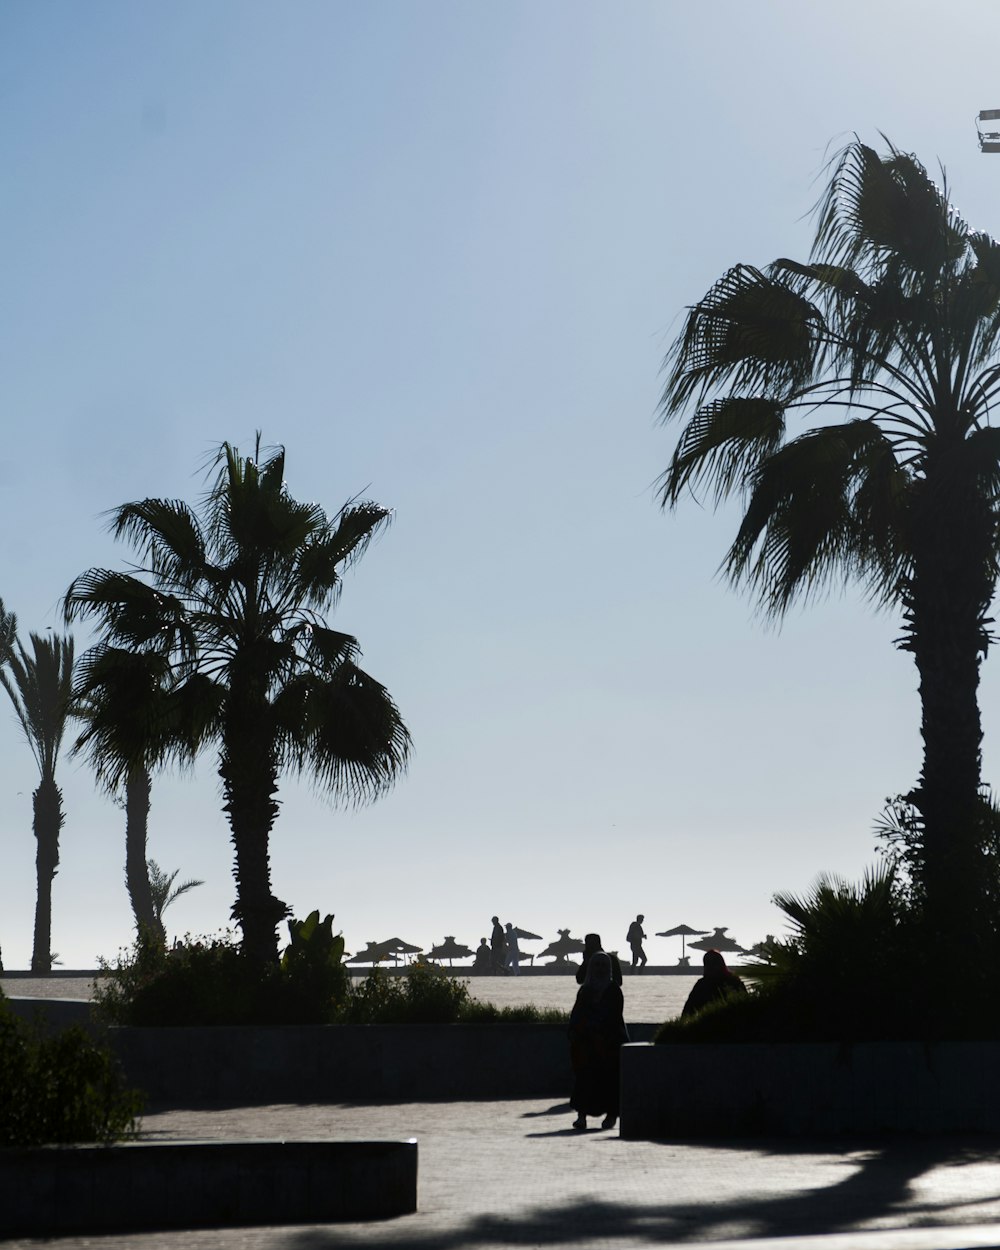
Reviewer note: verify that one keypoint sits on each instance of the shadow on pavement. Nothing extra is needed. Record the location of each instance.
(878, 1188)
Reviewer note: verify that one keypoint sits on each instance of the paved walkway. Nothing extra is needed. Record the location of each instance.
(503, 1174)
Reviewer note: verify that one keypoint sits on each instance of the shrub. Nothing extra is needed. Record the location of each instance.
(422, 995)
(425, 994)
(58, 1089)
(849, 971)
(209, 982)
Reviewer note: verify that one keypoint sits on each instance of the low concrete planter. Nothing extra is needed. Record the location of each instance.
(345, 1062)
(804, 1089)
(145, 1185)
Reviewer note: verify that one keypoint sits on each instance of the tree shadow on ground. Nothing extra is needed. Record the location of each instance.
(878, 1189)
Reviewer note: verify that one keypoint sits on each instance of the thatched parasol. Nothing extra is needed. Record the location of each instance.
(373, 953)
(449, 949)
(683, 931)
(717, 941)
(564, 945)
(396, 946)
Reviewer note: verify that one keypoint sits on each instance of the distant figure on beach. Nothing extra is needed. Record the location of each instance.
(513, 950)
(596, 1033)
(635, 938)
(484, 957)
(591, 945)
(718, 982)
(499, 945)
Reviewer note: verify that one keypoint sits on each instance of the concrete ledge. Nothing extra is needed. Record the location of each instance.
(151, 1185)
(54, 1013)
(345, 1062)
(796, 1090)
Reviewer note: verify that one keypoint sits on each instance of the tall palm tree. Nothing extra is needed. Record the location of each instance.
(887, 338)
(225, 613)
(39, 684)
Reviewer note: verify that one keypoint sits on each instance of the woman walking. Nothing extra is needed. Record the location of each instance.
(596, 1033)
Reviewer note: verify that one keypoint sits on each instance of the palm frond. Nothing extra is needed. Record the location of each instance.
(751, 333)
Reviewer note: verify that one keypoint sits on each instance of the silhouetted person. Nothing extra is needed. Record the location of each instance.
(484, 957)
(591, 945)
(717, 983)
(513, 950)
(499, 945)
(596, 1033)
(635, 938)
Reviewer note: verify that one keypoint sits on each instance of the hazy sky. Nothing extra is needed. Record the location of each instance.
(438, 250)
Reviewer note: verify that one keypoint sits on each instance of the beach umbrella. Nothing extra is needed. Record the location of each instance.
(373, 953)
(564, 945)
(396, 946)
(525, 936)
(717, 941)
(683, 931)
(449, 949)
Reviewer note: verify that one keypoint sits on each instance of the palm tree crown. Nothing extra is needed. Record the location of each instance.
(220, 635)
(887, 337)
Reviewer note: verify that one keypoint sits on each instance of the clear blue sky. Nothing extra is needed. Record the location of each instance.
(438, 250)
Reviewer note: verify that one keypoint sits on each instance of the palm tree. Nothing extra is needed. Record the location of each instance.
(225, 616)
(888, 338)
(163, 890)
(121, 741)
(39, 684)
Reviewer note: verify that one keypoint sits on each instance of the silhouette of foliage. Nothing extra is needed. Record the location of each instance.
(60, 1088)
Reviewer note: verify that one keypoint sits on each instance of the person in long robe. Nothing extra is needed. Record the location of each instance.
(718, 982)
(596, 1033)
(498, 943)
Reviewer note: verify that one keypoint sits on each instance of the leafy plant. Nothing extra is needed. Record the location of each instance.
(209, 981)
(163, 890)
(425, 994)
(63, 1088)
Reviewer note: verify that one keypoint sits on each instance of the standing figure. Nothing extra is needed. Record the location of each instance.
(591, 945)
(513, 950)
(499, 946)
(596, 1033)
(635, 938)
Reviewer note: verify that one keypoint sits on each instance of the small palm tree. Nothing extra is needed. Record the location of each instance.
(225, 615)
(163, 890)
(888, 337)
(114, 696)
(39, 684)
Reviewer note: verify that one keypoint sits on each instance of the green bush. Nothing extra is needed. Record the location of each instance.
(425, 994)
(208, 982)
(61, 1088)
(853, 969)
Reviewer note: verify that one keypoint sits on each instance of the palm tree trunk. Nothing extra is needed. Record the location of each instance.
(48, 820)
(138, 787)
(946, 604)
(249, 782)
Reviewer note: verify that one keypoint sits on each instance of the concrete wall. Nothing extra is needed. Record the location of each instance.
(344, 1063)
(872, 1087)
(153, 1185)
